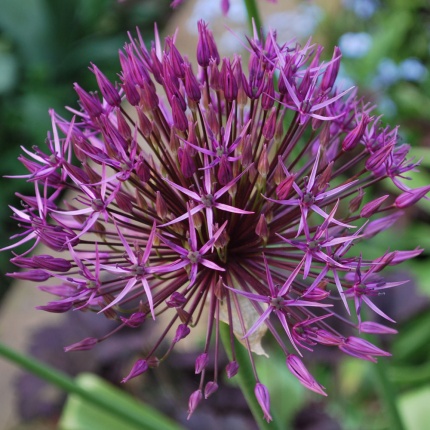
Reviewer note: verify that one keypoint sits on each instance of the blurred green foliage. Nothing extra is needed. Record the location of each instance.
(45, 46)
(393, 68)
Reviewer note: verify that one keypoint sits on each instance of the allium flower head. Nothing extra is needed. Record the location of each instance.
(224, 193)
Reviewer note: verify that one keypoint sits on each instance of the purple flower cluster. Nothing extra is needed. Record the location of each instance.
(224, 195)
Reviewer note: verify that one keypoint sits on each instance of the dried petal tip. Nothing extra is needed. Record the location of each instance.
(83, 345)
(298, 369)
(263, 398)
(139, 367)
(193, 402)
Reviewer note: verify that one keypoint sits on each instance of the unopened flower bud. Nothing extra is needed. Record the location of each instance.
(225, 174)
(210, 388)
(268, 95)
(176, 300)
(175, 58)
(84, 345)
(323, 180)
(56, 307)
(400, 256)
(206, 47)
(132, 92)
(326, 338)
(180, 120)
(355, 203)
(145, 125)
(263, 398)
(332, 70)
(230, 84)
(411, 197)
(361, 348)
(381, 224)
(372, 207)
(181, 332)
(193, 402)
(231, 369)
(90, 102)
(215, 76)
(160, 206)
(284, 188)
(375, 328)
(263, 163)
(123, 127)
(377, 159)
(35, 275)
(109, 92)
(262, 230)
(298, 369)
(52, 263)
(138, 368)
(269, 126)
(192, 87)
(353, 137)
(135, 320)
(188, 167)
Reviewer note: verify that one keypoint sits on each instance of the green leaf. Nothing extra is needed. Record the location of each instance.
(421, 153)
(413, 340)
(26, 23)
(78, 414)
(414, 407)
(8, 71)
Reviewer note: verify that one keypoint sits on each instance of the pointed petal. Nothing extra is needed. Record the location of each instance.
(232, 209)
(147, 289)
(263, 317)
(211, 265)
(129, 286)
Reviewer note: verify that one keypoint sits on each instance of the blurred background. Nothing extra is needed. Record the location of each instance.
(47, 45)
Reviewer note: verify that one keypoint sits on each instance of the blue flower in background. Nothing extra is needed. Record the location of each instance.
(355, 45)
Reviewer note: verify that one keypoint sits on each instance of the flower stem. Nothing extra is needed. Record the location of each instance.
(246, 381)
(388, 395)
(147, 418)
(253, 13)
